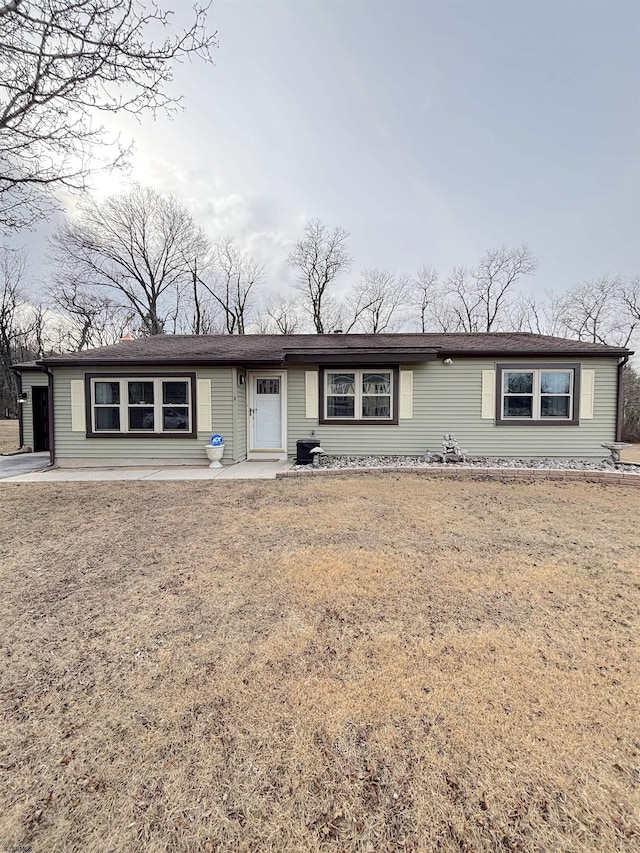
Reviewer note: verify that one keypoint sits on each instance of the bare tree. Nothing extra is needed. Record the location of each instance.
(424, 290)
(376, 302)
(463, 301)
(204, 316)
(631, 404)
(63, 62)
(442, 316)
(629, 295)
(88, 318)
(279, 315)
(138, 246)
(598, 311)
(198, 324)
(15, 322)
(318, 259)
(39, 331)
(479, 297)
(539, 315)
(231, 279)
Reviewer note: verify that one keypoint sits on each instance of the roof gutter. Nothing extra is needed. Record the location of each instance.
(151, 363)
(531, 353)
(373, 357)
(620, 398)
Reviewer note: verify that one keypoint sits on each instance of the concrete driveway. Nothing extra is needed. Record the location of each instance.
(23, 463)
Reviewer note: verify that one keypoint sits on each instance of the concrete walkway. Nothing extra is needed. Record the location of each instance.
(22, 463)
(254, 470)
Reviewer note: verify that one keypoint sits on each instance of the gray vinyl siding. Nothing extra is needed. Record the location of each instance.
(222, 387)
(74, 448)
(30, 379)
(447, 398)
(239, 417)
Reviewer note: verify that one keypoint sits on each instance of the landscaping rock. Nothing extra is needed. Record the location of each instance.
(431, 460)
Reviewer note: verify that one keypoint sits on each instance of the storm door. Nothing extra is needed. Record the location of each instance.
(266, 414)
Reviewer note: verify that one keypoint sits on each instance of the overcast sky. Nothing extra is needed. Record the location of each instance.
(432, 131)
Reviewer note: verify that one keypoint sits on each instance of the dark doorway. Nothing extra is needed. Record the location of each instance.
(40, 419)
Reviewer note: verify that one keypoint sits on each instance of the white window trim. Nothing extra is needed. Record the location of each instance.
(157, 406)
(357, 406)
(537, 394)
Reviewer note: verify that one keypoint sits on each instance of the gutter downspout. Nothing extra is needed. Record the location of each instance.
(20, 413)
(620, 399)
(52, 435)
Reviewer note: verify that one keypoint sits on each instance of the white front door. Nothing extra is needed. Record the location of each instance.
(267, 398)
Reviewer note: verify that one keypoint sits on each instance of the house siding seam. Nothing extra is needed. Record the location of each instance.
(73, 448)
(448, 398)
(239, 417)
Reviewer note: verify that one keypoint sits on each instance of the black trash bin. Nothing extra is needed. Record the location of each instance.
(303, 451)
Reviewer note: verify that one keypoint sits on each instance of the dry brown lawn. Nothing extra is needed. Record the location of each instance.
(381, 663)
(631, 454)
(8, 436)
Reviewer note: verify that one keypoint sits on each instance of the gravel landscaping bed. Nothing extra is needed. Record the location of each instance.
(428, 461)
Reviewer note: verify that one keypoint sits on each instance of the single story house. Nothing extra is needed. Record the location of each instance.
(157, 400)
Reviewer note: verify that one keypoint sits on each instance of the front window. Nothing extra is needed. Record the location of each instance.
(106, 407)
(358, 395)
(541, 394)
(141, 405)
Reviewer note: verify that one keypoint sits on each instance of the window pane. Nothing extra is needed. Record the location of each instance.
(140, 392)
(340, 407)
(376, 407)
(107, 392)
(108, 419)
(554, 407)
(141, 418)
(341, 383)
(268, 386)
(518, 383)
(376, 383)
(175, 418)
(555, 383)
(518, 407)
(175, 392)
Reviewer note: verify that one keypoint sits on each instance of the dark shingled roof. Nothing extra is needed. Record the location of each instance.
(283, 349)
(26, 365)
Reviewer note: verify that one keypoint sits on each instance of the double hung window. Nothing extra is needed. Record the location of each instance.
(358, 394)
(142, 405)
(540, 395)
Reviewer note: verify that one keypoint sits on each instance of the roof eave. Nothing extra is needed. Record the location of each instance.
(375, 356)
(21, 368)
(161, 362)
(611, 352)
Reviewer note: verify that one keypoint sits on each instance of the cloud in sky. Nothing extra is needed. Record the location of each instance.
(261, 226)
(432, 131)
